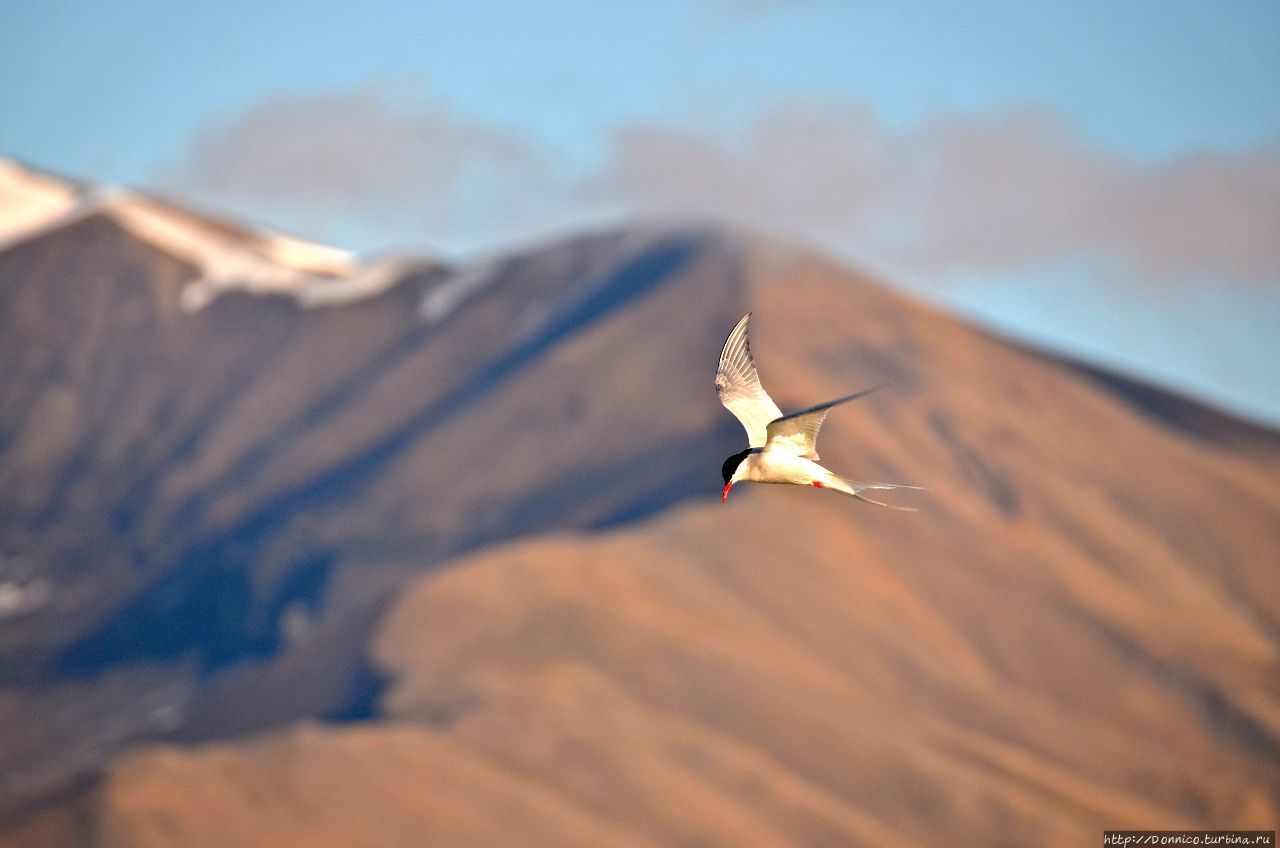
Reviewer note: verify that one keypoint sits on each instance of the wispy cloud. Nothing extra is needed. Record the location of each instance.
(963, 194)
(362, 155)
(959, 194)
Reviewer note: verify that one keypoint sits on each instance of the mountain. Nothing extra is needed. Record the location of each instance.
(206, 498)
(400, 552)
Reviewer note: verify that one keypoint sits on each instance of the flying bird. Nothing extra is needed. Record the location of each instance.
(782, 448)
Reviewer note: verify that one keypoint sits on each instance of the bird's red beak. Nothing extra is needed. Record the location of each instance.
(725, 497)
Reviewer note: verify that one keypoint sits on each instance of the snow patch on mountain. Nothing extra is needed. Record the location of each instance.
(225, 257)
(446, 297)
(30, 201)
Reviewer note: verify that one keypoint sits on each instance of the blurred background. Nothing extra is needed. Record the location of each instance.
(358, 445)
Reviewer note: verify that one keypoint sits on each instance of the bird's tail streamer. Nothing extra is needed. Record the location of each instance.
(855, 489)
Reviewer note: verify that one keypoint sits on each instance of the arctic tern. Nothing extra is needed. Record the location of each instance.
(782, 448)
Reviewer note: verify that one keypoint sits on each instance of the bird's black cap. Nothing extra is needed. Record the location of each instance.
(731, 464)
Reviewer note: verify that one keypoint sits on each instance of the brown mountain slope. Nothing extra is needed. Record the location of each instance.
(205, 503)
(1080, 630)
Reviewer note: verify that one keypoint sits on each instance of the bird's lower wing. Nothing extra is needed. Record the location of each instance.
(797, 432)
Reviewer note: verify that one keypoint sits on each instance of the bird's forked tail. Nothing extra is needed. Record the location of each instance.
(855, 488)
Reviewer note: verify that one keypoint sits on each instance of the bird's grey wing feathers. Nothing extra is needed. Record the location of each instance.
(797, 432)
(739, 387)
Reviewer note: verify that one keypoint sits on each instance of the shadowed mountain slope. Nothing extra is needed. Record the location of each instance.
(202, 510)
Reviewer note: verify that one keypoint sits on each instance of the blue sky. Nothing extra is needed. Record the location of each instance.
(1103, 176)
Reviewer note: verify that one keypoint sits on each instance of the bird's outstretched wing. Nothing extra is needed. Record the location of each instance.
(739, 387)
(797, 432)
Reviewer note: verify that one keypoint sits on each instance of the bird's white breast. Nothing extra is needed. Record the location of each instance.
(781, 467)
